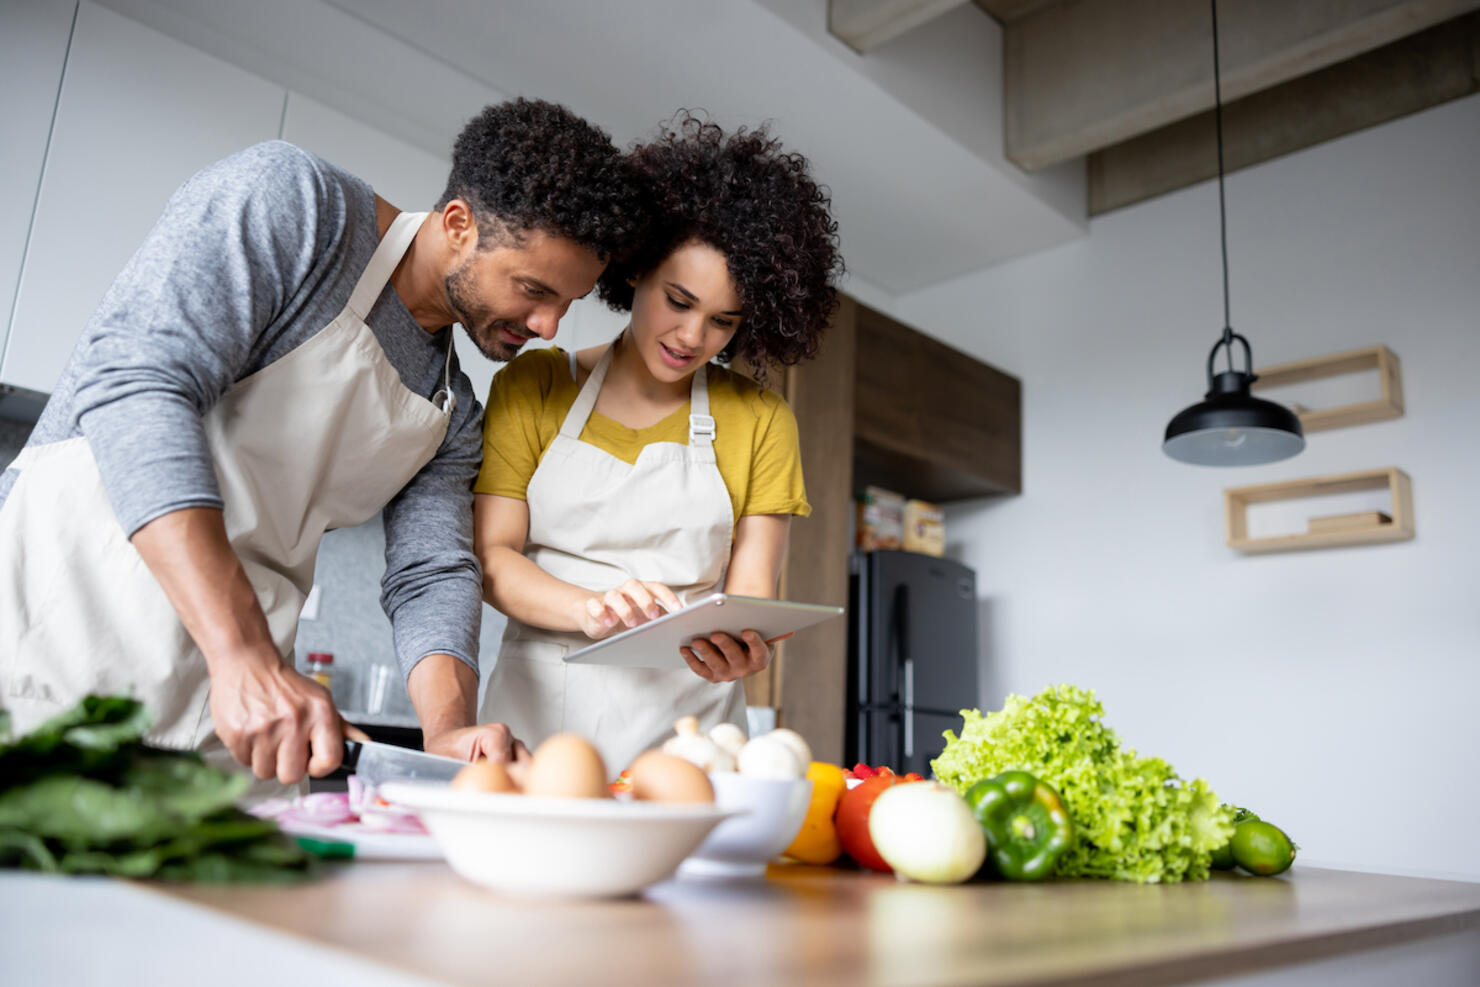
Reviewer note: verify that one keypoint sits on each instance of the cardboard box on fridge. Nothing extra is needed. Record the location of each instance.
(924, 528)
(880, 519)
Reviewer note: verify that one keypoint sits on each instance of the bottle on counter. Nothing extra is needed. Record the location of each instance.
(321, 668)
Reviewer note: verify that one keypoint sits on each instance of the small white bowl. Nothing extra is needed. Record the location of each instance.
(527, 845)
(770, 814)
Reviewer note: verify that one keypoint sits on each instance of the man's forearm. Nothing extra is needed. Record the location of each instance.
(270, 717)
(191, 557)
(444, 691)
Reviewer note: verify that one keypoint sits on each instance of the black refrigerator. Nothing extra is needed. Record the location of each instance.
(912, 656)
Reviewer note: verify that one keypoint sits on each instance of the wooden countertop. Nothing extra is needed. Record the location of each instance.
(819, 925)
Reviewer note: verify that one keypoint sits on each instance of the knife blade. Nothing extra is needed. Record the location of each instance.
(375, 762)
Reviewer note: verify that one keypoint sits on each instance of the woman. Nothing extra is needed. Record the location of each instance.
(624, 480)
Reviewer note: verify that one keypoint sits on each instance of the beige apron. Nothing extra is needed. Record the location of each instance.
(597, 521)
(319, 439)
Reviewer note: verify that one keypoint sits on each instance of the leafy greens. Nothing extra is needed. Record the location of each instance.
(1137, 820)
(81, 794)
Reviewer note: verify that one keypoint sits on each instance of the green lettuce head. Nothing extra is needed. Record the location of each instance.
(1137, 820)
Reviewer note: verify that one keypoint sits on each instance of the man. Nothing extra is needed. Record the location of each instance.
(274, 361)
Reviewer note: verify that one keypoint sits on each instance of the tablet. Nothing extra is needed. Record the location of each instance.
(655, 644)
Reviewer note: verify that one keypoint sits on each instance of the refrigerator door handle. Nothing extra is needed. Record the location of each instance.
(901, 640)
(909, 708)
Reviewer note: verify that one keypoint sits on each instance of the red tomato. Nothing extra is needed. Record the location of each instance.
(852, 820)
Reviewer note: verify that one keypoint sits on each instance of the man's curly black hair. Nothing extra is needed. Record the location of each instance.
(527, 164)
(755, 203)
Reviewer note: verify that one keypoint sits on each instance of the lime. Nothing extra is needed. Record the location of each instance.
(1262, 848)
(1223, 857)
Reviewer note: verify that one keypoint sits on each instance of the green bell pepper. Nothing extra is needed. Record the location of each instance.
(1025, 822)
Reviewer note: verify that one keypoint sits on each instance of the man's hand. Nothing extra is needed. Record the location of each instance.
(634, 602)
(495, 741)
(273, 719)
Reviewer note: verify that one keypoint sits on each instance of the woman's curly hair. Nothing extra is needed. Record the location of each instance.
(754, 202)
(528, 164)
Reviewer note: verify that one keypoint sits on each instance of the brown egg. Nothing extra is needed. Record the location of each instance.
(567, 766)
(484, 775)
(659, 777)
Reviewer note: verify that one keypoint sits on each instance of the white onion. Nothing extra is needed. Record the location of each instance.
(925, 831)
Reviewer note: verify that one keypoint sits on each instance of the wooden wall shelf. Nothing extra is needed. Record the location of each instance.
(1331, 531)
(1379, 358)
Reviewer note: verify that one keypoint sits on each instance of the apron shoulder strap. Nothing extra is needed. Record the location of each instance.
(580, 411)
(383, 263)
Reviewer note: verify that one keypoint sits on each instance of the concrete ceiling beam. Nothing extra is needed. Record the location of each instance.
(865, 24)
(1082, 75)
(1407, 76)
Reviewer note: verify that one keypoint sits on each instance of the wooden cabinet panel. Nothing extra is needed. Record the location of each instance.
(932, 422)
(886, 405)
(970, 413)
(887, 398)
(809, 678)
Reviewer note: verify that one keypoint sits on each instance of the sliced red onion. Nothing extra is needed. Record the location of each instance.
(319, 809)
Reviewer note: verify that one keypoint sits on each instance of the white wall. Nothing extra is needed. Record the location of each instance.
(1333, 691)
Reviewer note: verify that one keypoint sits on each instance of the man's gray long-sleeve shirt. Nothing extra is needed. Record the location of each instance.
(253, 256)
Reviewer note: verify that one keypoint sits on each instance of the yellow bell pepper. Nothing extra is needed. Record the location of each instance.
(817, 842)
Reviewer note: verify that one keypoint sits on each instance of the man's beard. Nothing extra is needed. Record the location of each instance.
(476, 321)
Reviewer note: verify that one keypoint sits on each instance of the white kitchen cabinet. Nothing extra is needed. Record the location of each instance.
(402, 174)
(138, 114)
(33, 50)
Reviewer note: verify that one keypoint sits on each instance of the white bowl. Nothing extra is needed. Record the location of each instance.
(527, 845)
(771, 814)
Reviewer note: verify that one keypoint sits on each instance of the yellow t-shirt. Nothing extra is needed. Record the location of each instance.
(755, 441)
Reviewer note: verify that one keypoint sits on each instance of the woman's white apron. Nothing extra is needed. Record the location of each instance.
(597, 521)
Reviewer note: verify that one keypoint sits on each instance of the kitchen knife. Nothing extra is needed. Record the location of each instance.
(375, 762)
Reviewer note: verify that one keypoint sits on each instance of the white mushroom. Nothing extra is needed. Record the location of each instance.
(691, 745)
(729, 737)
(765, 757)
(796, 742)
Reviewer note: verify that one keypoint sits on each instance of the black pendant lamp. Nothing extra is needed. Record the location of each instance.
(1229, 426)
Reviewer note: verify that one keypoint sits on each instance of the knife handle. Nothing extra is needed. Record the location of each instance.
(352, 749)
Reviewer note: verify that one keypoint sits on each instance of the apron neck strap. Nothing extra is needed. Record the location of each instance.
(701, 424)
(388, 254)
(580, 411)
(377, 274)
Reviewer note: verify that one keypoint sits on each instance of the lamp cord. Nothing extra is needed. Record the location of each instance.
(1222, 208)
